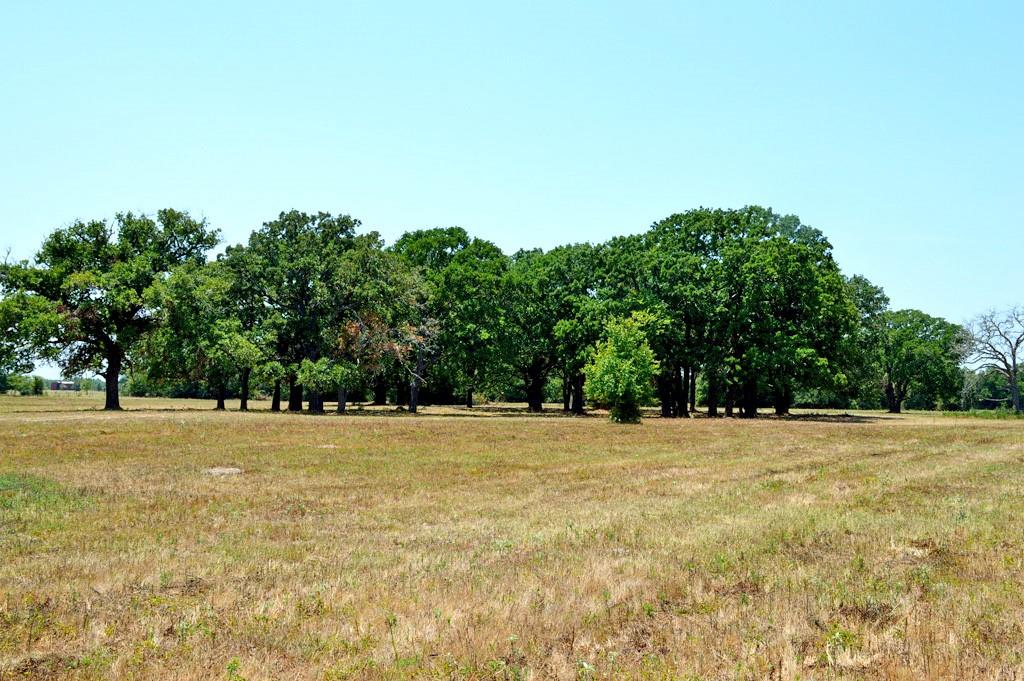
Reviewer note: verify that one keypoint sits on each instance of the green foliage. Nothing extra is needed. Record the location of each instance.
(920, 356)
(620, 373)
(321, 375)
(83, 303)
(467, 301)
(432, 250)
(20, 384)
(748, 304)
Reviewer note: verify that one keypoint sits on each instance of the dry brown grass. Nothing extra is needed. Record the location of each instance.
(449, 547)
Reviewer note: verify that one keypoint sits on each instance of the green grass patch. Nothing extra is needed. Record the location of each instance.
(32, 505)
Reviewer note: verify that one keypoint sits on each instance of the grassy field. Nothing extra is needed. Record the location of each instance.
(511, 547)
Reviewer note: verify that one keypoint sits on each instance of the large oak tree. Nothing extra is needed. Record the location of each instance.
(82, 302)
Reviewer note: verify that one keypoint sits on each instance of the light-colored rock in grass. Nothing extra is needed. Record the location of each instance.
(221, 471)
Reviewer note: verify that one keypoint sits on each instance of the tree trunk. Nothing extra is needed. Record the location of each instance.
(664, 385)
(749, 399)
(244, 402)
(380, 391)
(112, 376)
(693, 390)
(417, 381)
(403, 393)
(682, 390)
(783, 401)
(890, 398)
(222, 393)
(342, 399)
(535, 392)
(577, 394)
(713, 387)
(1015, 390)
(566, 394)
(294, 395)
(469, 398)
(275, 402)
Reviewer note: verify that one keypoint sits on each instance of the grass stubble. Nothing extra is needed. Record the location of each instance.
(440, 546)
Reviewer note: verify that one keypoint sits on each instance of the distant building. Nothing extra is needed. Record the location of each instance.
(63, 385)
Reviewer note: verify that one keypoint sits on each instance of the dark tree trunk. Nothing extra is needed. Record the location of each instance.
(783, 400)
(664, 386)
(112, 376)
(417, 380)
(294, 395)
(403, 393)
(681, 390)
(275, 403)
(713, 388)
(535, 392)
(469, 398)
(891, 399)
(1015, 390)
(222, 393)
(316, 402)
(342, 399)
(244, 401)
(693, 390)
(380, 391)
(749, 399)
(566, 394)
(577, 394)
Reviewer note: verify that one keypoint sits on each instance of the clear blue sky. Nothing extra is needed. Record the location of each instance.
(897, 128)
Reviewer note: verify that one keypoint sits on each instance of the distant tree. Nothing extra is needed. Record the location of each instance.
(782, 310)
(378, 302)
(201, 336)
(254, 324)
(621, 372)
(580, 316)
(862, 353)
(432, 250)
(468, 301)
(82, 304)
(531, 302)
(681, 255)
(320, 376)
(997, 343)
(984, 389)
(295, 261)
(23, 385)
(23, 318)
(920, 352)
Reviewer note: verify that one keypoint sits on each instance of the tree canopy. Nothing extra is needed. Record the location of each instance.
(738, 309)
(82, 303)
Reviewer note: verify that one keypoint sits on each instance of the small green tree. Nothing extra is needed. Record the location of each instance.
(622, 368)
(318, 377)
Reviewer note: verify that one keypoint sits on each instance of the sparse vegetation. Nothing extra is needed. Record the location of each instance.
(446, 546)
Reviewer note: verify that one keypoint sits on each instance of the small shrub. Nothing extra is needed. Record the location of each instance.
(623, 366)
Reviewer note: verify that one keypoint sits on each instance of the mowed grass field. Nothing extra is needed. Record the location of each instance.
(511, 547)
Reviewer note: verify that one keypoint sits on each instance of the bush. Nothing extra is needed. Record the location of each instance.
(620, 373)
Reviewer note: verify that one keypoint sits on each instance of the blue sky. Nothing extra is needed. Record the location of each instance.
(896, 128)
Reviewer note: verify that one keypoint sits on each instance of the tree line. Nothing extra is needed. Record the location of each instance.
(733, 310)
